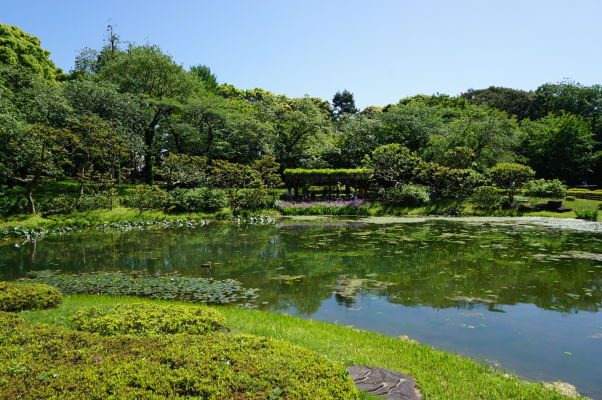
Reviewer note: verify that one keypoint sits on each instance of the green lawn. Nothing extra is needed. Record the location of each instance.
(440, 375)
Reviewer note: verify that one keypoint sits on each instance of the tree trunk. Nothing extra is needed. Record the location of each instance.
(29, 195)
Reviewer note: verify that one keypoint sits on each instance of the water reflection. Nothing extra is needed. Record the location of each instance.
(517, 294)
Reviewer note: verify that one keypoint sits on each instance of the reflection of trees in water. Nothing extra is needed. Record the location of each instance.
(437, 264)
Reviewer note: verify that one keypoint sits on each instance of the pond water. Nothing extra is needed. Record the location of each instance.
(521, 296)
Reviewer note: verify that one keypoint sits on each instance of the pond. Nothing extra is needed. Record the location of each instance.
(519, 295)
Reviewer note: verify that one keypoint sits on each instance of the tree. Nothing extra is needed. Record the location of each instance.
(34, 154)
(161, 84)
(512, 101)
(18, 48)
(511, 177)
(343, 104)
(560, 146)
(184, 170)
(204, 73)
(96, 153)
(392, 165)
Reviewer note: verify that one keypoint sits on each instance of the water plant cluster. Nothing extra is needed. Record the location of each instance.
(166, 287)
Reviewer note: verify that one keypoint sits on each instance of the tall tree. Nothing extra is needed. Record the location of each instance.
(22, 49)
(161, 85)
(204, 73)
(512, 101)
(343, 103)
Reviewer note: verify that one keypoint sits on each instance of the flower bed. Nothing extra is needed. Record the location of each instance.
(334, 207)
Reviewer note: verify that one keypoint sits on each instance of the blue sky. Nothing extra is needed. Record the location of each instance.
(381, 50)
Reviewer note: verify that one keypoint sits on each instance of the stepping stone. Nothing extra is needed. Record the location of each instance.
(388, 384)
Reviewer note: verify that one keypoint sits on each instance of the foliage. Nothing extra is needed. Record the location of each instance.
(487, 197)
(146, 198)
(560, 146)
(591, 214)
(268, 169)
(149, 319)
(204, 73)
(343, 104)
(18, 48)
(337, 207)
(199, 199)
(570, 198)
(513, 101)
(510, 176)
(392, 165)
(184, 170)
(407, 195)
(325, 171)
(57, 363)
(545, 188)
(169, 287)
(35, 296)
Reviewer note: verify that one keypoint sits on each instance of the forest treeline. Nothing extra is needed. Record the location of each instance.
(124, 108)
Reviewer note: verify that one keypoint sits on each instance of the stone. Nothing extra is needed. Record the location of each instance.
(205, 265)
(388, 384)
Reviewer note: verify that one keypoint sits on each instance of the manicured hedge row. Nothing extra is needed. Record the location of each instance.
(43, 362)
(35, 296)
(145, 319)
(324, 171)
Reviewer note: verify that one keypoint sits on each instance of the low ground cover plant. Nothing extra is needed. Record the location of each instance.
(149, 319)
(43, 362)
(35, 296)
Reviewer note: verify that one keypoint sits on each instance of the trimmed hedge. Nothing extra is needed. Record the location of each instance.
(324, 171)
(43, 362)
(34, 296)
(144, 319)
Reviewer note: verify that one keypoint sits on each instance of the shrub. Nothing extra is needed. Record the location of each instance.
(250, 199)
(570, 198)
(510, 176)
(407, 195)
(591, 214)
(43, 362)
(147, 198)
(599, 206)
(144, 318)
(35, 296)
(545, 188)
(199, 199)
(95, 202)
(12, 202)
(487, 197)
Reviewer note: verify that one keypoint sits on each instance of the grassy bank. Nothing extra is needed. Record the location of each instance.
(440, 375)
(123, 214)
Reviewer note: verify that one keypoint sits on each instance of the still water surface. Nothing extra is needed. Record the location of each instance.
(523, 297)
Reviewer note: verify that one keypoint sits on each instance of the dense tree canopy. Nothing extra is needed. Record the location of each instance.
(126, 112)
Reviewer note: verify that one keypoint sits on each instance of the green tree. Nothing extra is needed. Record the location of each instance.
(512, 101)
(204, 73)
(392, 165)
(34, 154)
(18, 48)
(343, 104)
(560, 146)
(160, 83)
(511, 177)
(184, 170)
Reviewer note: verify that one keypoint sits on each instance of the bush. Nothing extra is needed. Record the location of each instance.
(35, 296)
(335, 207)
(599, 206)
(95, 202)
(43, 362)
(144, 318)
(12, 202)
(487, 197)
(407, 195)
(570, 198)
(147, 198)
(545, 188)
(591, 214)
(199, 199)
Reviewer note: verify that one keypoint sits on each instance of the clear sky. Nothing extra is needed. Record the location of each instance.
(381, 50)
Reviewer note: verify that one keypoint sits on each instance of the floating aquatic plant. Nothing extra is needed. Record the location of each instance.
(166, 287)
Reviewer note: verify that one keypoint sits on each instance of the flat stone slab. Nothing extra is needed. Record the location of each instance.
(389, 384)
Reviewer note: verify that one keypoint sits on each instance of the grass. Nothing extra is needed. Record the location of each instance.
(440, 375)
